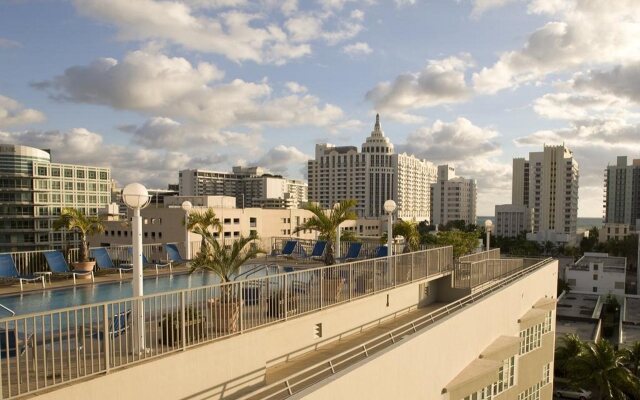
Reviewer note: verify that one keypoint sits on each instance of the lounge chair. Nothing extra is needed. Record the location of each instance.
(58, 265)
(353, 252)
(8, 270)
(103, 261)
(119, 324)
(14, 343)
(318, 250)
(382, 251)
(147, 264)
(288, 249)
(174, 254)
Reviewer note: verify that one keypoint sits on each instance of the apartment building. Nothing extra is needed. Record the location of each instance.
(622, 193)
(251, 186)
(454, 197)
(612, 230)
(512, 220)
(33, 191)
(598, 273)
(547, 182)
(372, 176)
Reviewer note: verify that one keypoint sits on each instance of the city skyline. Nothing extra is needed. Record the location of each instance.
(261, 83)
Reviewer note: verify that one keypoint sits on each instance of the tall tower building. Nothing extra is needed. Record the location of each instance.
(622, 193)
(33, 191)
(548, 183)
(454, 197)
(371, 177)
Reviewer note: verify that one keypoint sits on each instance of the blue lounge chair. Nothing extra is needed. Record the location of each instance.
(8, 270)
(103, 261)
(147, 264)
(318, 250)
(288, 249)
(119, 325)
(353, 252)
(58, 265)
(13, 343)
(382, 251)
(174, 254)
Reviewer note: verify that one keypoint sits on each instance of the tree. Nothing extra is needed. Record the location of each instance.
(224, 261)
(409, 231)
(203, 222)
(571, 346)
(563, 286)
(326, 223)
(601, 368)
(75, 220)
(462, 242)
(632, 358)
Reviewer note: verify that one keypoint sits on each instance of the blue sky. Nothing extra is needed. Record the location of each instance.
(149, 87)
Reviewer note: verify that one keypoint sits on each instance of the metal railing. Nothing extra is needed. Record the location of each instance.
(46, 349)
(322, 370)
(483, 255)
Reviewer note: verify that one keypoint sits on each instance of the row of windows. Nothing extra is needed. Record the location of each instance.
(69, 173)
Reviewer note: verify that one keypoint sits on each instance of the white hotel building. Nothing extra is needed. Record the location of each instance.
(371, 177)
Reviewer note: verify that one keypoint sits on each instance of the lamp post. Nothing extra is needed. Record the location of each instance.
(487, 227)
(389, 207)
(335, 207)
(136, 197)
(187, 206)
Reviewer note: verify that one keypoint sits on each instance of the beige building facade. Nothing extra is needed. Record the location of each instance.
(454, 197)
(513, 220)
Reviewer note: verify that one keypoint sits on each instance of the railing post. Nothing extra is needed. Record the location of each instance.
(242, 307)
(286, 298)
(321, 287)
(351, 282)
(105, 327)
(412, 264)
(183, 320)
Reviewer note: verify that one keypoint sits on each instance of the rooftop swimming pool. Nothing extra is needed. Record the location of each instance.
(48, 300)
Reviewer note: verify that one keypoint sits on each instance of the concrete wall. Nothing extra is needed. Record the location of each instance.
(220, 368)
(420, 366)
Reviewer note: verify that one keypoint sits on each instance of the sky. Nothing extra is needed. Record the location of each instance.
(150, 87)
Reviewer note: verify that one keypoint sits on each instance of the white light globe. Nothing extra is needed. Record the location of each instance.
(186, 205)
(135, 195)
(488, 224)
(390, 206)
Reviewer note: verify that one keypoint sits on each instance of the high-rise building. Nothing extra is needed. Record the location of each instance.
(372, 176)
(622, 193)
(454, 197)
(548, 183)
(512, 220)
(251, 186)
(33, 191)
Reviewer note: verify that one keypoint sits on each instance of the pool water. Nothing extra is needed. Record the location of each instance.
(47, 300)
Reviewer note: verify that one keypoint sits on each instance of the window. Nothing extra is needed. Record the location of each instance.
(236, 220)
(80, 174)
(546, 374)
(55, 171)
(531, 338)
(595, 267)
(506, 376)
(42, 171)
(92, 175)
(80, 186)
(533, 393)
(68, 186)
(68, 173)
(595, 277)
(547, 323)
(595, 289)
(103, 175)
(55, 185)
(482, 394)
(227, 221)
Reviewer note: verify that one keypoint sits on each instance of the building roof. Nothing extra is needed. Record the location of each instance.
(601, 258)
(577, 305)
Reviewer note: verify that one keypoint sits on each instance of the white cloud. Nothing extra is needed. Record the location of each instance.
(481, 6)
(281, 159)
(8, 43)
(357, 49)
(440, 82)
(622, 81)
(13, 113)
(295, 87)
(157, 85)
(402, 3)
(473, 150)
(233, 31)
(581, 106)
(586, 32)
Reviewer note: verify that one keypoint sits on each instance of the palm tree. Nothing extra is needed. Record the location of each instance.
(76, 220)
(327, 223)
(601, 368)
(566, 353)
(202, 222)
(409, 231)
(632, 357)
(224, 261)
